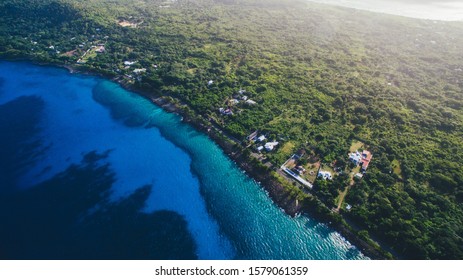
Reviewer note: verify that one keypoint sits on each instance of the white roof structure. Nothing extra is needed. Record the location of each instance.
(128, 63)
(100, 49)
(270, 145)
(298, 178)
(251, 102)
(325, 175)
(355, 157)
(261, 138)
(210, 82)
(140, 70)
(225, 111)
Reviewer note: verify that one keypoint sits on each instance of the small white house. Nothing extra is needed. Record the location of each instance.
(251, 102)
(269, 146)
(261, 138)
(210, 82)
(325, 175)
(129, 63)
(100, 49)
(227, 111)
(139, 70)
(355, 157)
(234, 101)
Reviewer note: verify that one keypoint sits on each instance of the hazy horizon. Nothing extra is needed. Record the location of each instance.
(447, 10)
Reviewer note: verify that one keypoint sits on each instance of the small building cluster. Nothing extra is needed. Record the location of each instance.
(299, 169)
(100, 48)
(245, 98)
(226, 112)
(268, 146)
(363, 159)
(302, 167)
(235, 100)
(298, 178)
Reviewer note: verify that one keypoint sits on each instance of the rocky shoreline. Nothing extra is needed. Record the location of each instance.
(310, 205)
(279, 195)
(276, 191)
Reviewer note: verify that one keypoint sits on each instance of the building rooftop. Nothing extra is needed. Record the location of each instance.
(366, 158)
(325, 175)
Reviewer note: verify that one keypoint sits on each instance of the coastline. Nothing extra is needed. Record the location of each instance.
(281, 196)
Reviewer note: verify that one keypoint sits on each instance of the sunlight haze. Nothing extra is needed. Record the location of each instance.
(448, 10)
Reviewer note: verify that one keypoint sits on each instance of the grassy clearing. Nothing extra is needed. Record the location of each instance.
(340, 199)
(328, 168)
(356, 145)
(288, 148)
(311, 171)
(396, 168)
(90, 55)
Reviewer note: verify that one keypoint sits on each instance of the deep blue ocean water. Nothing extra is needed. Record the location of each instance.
(89, 170)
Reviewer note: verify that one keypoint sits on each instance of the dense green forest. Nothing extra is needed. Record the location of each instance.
(320, 78)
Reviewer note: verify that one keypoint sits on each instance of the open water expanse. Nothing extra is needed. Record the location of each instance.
(89, 170)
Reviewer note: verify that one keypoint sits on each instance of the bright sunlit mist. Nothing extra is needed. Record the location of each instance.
(448, 10)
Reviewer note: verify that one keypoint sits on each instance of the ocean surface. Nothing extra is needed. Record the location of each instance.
(446, 10)
(89, 170)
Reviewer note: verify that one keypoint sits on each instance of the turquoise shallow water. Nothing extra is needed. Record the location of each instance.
(151, 177)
